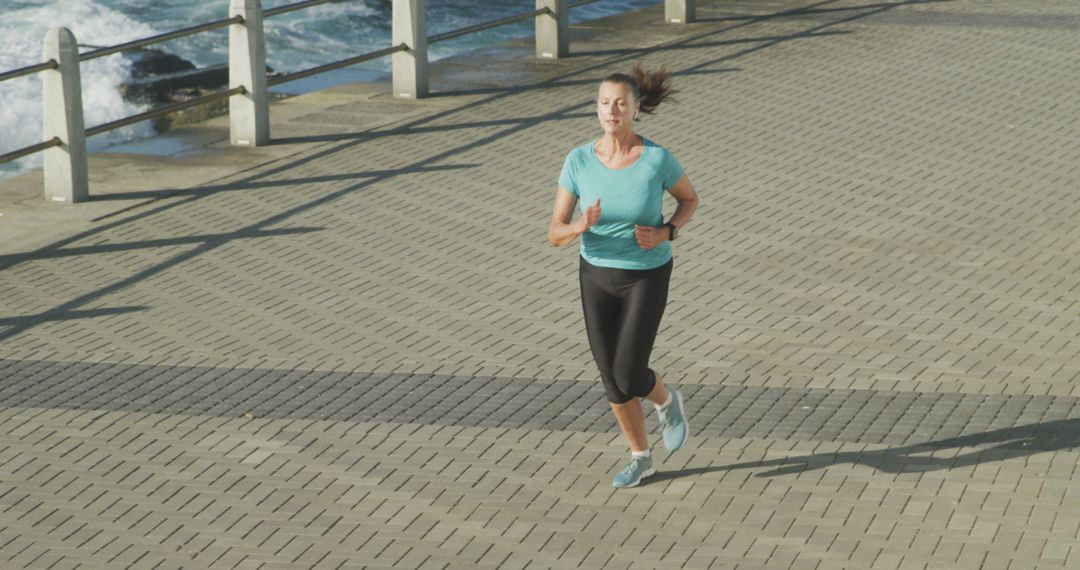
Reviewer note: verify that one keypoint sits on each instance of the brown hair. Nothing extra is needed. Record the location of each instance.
(650, 88)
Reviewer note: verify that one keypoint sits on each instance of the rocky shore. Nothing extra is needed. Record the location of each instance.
(160, 78)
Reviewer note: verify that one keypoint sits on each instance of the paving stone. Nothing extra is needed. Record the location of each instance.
(364, 355)
(503, 406)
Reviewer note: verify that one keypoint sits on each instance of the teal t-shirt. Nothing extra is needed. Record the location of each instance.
(629, 196)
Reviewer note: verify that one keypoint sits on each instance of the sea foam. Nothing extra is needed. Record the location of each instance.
(22, 31)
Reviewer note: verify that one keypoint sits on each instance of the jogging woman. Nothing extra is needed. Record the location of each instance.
(618, 181)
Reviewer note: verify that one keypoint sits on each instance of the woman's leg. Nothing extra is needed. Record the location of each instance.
(659, 394)
(631, 420)
(643, 310)
(644, 301)
(602, 306)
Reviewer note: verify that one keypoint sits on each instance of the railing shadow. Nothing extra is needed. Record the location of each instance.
(720, 43)
(814, 10)
(203, 191)
(164, 242)
(35, 319)
(413, 130)
(1005, 444)
(348, 141)
(13, 325)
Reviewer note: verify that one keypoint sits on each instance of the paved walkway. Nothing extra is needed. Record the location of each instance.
(354, 348)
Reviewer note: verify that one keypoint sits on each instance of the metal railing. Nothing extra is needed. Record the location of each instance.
(64, 134)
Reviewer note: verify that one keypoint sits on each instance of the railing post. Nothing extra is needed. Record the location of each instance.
(679, 11)
(410, 67)
(65, 173)
(249, 113)
(553, 30)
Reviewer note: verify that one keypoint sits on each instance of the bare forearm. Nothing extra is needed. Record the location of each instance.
(561, 234)
(684, 211)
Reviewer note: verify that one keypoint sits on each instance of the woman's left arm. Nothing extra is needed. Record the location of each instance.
(684, 193)
(649, 237)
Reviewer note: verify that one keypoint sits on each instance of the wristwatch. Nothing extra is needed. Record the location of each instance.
(674, 230)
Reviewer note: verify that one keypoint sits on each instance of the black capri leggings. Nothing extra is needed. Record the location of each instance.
(623, 308)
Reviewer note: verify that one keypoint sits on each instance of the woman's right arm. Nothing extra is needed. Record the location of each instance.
(562, 231)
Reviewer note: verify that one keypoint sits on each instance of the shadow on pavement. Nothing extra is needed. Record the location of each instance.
(719, 43)
(1008, 443)
(817, 10)
(431, 162)
(165, 242)
(30, 320)
(200, 191)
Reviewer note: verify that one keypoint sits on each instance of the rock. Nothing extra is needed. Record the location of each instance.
(159, 78)
(158, 89)
(156, 77)
(149, 62)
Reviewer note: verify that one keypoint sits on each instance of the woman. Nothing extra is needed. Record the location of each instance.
(619, 180)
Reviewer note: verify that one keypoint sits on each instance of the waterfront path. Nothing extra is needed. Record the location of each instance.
(354, 348)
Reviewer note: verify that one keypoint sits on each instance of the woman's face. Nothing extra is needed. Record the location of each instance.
(615, 107)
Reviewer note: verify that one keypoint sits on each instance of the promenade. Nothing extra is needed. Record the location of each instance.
(354, 348)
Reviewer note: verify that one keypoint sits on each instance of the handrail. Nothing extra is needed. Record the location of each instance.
(183, 32)
(165, 110)
(51, 64)
(192, 30)
(335, 65)
(160, 38)
(26, 150)
(489, 25)
(295, 6)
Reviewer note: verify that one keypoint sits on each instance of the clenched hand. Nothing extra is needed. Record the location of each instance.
(589, 218)
(649, 237)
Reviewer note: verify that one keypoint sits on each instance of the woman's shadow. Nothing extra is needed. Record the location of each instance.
(1008, 443)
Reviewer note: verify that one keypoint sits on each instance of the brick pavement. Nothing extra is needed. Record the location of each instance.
(361, 352)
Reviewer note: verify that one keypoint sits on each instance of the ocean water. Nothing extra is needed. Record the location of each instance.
(295, 41)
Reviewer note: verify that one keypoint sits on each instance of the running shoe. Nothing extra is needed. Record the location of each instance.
(638, 469)
(673, 422)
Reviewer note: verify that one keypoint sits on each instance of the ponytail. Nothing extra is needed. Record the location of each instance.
(650, 88)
